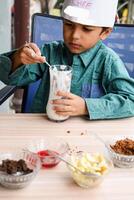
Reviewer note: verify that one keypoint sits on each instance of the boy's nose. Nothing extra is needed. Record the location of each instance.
(76, 34)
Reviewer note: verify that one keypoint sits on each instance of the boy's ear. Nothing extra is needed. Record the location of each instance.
(105, 33)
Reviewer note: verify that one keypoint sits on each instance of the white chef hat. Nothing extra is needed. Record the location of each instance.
(90, 12)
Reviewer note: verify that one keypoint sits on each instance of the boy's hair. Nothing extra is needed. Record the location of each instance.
(105, 29)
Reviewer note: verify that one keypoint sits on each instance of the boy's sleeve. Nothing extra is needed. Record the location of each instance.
(5, 68)
(24, 75)
(119, 99)
(5, 65)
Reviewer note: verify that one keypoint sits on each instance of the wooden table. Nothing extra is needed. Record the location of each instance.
(16, 130)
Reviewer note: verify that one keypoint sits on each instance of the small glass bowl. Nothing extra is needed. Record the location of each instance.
(87, 180)
(46, 149)
(19, 180)
(120, 160)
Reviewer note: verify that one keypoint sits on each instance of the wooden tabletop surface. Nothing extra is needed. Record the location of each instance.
(17, 130)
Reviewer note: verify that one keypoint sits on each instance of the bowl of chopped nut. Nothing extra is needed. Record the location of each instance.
(121, 151)
(17, 170)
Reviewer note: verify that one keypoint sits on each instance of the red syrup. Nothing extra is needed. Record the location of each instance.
(47, 158)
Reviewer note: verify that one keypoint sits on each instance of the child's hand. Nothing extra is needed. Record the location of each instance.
(27, 54)
(70, 104)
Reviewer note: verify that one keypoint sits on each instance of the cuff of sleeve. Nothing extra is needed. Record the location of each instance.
(5, 68)
(96, 108)
(10, 53)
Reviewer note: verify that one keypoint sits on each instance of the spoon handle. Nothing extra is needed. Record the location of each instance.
(100, 139)
(76, 168)
(65, 161)
(48, 65)
(68, 163)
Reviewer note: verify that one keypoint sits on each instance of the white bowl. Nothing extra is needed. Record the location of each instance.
(120, 160)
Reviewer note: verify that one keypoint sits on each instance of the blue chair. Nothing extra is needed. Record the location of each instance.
(46, 28)
(122, 42)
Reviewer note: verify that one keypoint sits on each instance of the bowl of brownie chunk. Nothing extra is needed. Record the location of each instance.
(18, 169)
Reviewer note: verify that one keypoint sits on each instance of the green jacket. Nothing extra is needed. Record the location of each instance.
(99, 76)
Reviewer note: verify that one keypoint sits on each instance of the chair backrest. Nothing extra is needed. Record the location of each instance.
(47, 28)
(121, 41)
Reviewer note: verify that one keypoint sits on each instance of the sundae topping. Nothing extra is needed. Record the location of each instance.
(95, 164)
(48, 159)
(12, 167)
(125, 146)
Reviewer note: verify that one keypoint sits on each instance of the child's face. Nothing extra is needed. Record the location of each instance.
(79, 38)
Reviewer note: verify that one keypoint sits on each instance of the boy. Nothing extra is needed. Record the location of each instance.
(101, 87)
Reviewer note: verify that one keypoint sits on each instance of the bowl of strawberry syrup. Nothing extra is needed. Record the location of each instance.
(48, 159)
(47, 149)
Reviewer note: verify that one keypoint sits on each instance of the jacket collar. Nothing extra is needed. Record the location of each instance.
(89, 55)
(86, 57)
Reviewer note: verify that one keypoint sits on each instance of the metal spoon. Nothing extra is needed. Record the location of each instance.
(49, 65)
(68, 163)
(51, 153)
(100, 139)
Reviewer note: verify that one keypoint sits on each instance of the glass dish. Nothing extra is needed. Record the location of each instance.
(120, 160)
(46, 148)
(19, 180)
(91, 178)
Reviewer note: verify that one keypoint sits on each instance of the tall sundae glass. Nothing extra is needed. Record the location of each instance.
(60, 80)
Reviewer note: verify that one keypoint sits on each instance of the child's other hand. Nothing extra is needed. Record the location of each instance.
(27, 54)
(70, 104)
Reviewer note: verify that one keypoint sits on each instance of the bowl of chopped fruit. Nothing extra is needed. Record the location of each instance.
(121, 151)
(48, 150)
(89, 169)
(18, 169)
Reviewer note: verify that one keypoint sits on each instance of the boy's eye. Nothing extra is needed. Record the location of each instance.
(68, 23)
(87, 29)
